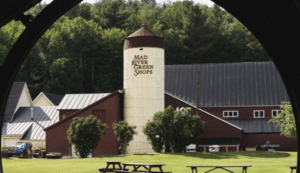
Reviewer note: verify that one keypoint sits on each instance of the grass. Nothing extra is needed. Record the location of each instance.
(261, 161)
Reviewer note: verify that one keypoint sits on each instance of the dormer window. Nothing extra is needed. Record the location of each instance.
(275, 113)
(259, 114)
(230, 113)
(63, 116)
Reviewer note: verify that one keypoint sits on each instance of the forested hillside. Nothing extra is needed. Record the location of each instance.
(83, 51)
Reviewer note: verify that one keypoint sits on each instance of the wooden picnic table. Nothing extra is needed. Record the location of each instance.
(292, 168)
(194, 167)
(146, 166)
(114, 164)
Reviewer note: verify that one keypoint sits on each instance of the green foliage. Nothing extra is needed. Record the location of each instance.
(151, 130)
(85, 134)
(8, 36)
(4, 147)
(286, 120)
(161, 125)
(186, 130)
(89, 40)
(125, 134)
(110, 13)
(182, 128)
(80, 10)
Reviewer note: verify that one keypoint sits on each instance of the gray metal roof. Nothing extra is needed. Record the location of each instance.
(13, 99)
(227, 84)
(22, 124)
(79, 101)
(255, 125)
(54, 98)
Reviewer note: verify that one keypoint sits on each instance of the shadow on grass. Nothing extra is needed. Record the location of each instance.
(233, 155)
(125, 155)
(144, 154)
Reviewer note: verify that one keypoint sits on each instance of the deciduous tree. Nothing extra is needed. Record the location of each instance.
(85, 134)
(286, 120)
(125, 134)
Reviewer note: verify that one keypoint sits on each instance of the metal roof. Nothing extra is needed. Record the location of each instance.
(227, 84)
(79, 101)
(13, 99)
(143, 31)
(219, 141)
(255, 125)
(22, 124)
(54, 98)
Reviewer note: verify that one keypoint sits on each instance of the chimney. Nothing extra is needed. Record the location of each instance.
(31, 113)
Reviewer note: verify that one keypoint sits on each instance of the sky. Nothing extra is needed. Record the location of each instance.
(206, 2)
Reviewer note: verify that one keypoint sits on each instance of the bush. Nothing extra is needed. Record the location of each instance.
(125, 134)
(85, 134)
(180, 127)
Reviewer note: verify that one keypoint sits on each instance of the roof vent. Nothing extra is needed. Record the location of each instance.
(31, 113)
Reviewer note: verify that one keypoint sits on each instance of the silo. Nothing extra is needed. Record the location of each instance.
(144, 63)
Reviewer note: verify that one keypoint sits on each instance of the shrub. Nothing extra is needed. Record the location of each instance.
(85, 134)
(125, 134)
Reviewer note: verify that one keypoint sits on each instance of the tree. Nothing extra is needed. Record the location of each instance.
(286, 120)
(85, 134)
(179, 128)
(110, 13)
(151, 130)
(161, 125)
(125, 134)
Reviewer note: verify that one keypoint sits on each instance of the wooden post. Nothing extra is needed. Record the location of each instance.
(237, 148)
(226, 148)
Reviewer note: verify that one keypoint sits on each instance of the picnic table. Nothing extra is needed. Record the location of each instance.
(194, 167)
(292, 168)
(146, 166)
(114, 164)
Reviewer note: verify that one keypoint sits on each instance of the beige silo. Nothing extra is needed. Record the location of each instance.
(143, 83)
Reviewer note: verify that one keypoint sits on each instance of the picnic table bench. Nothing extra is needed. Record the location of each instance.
(194, 167)
(146, 166)
(114, 164)
(292, 168)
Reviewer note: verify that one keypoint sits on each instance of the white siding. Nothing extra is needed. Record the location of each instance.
(41, 100)
(25, 99)
(10, 141)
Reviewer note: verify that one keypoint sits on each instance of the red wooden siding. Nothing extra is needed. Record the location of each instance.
(216, 128)
(107, 109)
(219, 129)
(244, 112)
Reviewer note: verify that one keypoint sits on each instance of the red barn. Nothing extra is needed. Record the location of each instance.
(106, 107)
(236, 100)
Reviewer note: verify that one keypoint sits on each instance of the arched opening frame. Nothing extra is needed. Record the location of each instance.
(274, 23)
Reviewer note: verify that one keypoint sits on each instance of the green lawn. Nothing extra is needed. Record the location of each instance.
(269, 162)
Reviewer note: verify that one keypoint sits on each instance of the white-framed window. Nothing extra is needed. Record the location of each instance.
(259, 114)
(275, 113)
(230, 113)
(63, 116)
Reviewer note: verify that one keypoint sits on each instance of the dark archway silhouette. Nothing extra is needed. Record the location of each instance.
(275, 23)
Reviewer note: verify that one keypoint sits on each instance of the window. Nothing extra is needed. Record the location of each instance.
(230, 113)
(63, 116)
(276, 112)
(259, 114)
